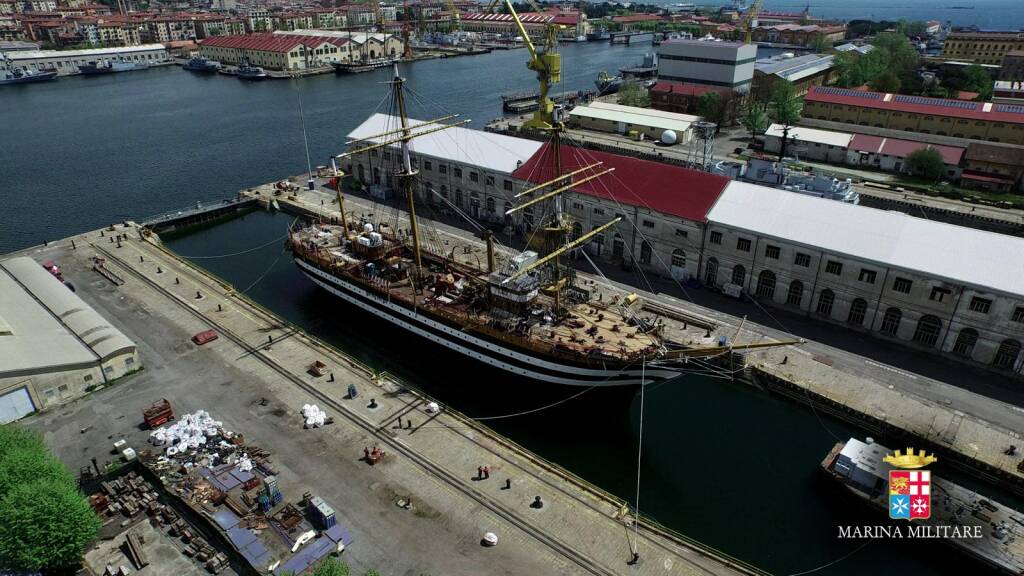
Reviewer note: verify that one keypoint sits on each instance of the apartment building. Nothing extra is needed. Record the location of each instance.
(982, 47)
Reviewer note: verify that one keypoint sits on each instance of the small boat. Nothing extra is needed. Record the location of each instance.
(201, 65)
(19, 76)
(607, 84)
(247, 71)
(109, 67)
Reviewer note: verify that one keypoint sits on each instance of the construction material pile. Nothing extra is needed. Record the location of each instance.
(189, 433)
(315, 417)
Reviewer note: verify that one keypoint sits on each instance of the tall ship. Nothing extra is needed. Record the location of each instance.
(528, 316)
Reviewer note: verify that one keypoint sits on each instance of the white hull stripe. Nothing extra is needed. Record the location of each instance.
(477, 348)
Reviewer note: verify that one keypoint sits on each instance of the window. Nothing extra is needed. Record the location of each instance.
(766, 284)
(833, 267)
(457, 172)
(648, 224)
(965, 341)
(442, 169)
(743, 245)
(716, 237)
(796, 293)
(1007, 354)
(825, 301)
(645, 253)
(739, 275)
(598, 212)
(491, 204)
(802, 260)
(927, 332)
(891, 321)
(678, 258)
(867, 276)
(474, 177)
(982, 305)
(771, 252)
(1018, 314)
(711, 272)
(939, 294)
(681, 233)
(87, 378)
(508, 185)
(618, 246)
(902, 285)
(63, 388)
(489, 181)
(577, 206)
(857, 310)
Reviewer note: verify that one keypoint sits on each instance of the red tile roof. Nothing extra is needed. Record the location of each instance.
(526, 18)
(636, 18)
(902, 148)
(270, 42)
(682, 192)
(978, 177)
(915, 104)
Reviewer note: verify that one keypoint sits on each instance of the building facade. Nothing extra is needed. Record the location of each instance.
(707, 62)
(961, 119)
(67, 61)
(276, 52)
(982, 47)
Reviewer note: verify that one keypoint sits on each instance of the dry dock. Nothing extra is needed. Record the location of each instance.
(255, 378)
(970, 430)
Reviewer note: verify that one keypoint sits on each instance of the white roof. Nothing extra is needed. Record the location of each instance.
(802, 134)
(644, 111)
(487, 150)
(84, 53)
(631, 118)
(32, 340)
(978, 258)
(105, 340)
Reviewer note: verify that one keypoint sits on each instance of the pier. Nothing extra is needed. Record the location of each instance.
(258, 371)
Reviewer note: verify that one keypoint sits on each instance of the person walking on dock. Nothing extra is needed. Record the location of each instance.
(479, 472)
(366, 453)
(487, 472)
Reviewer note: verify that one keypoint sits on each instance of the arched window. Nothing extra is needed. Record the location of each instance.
(618, 246)
(711, 272)
(891, 321)
(1006, 356)
(796, 293)
(444, 191)
(858, 309)
(927, 331)
(739, 275)
(645, 253)
(678, 258)
(599, 238)
(491, 204)
(825, 301)
(766, 284)
(965, 341)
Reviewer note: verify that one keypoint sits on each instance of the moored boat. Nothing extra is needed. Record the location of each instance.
(95, 68)
(19, 76)
(201, 65)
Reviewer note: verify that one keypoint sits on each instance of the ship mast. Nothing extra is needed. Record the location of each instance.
(407, 176)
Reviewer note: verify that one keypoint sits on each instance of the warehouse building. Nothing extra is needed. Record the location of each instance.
(668, 127)
(961, 119)
(809, 143)
(67, 61)
(276, 52)
(800, 71)
(707, 62)
(876, 271)
(53, 346)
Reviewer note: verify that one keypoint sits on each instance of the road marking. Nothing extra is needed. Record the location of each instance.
(891, 369)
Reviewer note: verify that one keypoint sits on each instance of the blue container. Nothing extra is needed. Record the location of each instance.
(278, 498)
(329, 522)
(265, 504)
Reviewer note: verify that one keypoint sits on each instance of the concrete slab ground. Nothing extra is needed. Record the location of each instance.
(577, 532)
(165, 558)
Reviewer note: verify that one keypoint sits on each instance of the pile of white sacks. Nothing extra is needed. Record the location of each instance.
(315, 417)
(189, 433)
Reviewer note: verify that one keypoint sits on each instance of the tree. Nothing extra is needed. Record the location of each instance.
(633, 94)
(820, 43)
(977, 80)
(886, 82)
(784, 109)
(331, 567)
(926, 162)
(45, 522)
(710, 106)
(755, 120)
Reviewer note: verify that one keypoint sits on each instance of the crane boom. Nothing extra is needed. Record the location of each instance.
(750, 18)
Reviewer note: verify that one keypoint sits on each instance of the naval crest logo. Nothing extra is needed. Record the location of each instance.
(910, 489)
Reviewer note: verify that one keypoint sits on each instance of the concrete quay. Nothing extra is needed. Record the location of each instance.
(164, 301)
(970, 429)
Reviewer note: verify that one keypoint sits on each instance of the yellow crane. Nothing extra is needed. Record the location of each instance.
(456, 17)
(546, 62)
(750, 18)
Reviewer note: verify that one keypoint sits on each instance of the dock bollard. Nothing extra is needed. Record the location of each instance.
(177, 280)
(159, 270)
(73, 247)
(118, 242)
(219, 309)
(537, 503)
(142, 258)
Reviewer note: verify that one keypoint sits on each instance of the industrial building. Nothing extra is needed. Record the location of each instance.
(571, 23)
(636, 122)
(958, 118)
(707, 62)
(987, 47)
(67, 61)
(53, 346)
(276, 52)
(798, 34)
(994, 168)
(809, 143)
(800, 71)
(872, 270)
(363, 45)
